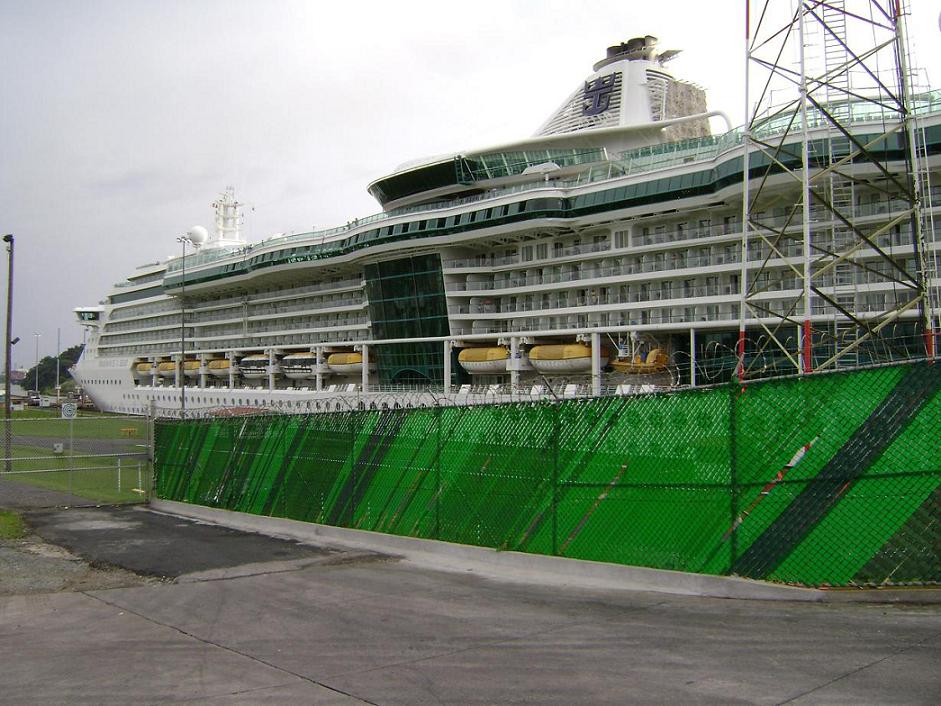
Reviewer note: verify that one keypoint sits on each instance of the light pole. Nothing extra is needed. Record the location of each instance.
(37, 335)
(7, 403)
(183, 240)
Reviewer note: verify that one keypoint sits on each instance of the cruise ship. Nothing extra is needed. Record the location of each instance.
(603, 255)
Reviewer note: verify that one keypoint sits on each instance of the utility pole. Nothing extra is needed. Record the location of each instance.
(7, 405)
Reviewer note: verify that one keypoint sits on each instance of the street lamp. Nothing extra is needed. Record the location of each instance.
(183, 240)
(7, 405)
(195, 236)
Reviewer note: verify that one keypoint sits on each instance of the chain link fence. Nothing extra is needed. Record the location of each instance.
(832, 479)
(48, 461)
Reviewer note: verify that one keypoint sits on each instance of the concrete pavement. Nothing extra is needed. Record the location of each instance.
(335, 626)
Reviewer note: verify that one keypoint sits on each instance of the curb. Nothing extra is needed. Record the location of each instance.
(503, 565)
(519, 567)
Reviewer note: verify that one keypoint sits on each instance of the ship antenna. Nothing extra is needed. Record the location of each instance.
(228, 217)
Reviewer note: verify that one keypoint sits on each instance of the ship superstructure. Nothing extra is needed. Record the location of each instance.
(603, 254)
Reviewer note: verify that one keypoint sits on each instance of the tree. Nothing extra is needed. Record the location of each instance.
(47, 369)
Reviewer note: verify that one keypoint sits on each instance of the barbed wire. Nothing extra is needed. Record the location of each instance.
(715, 364)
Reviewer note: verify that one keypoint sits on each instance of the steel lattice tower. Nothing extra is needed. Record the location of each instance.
(834, 258)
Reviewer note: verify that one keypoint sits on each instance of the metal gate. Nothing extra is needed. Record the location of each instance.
(48, 461)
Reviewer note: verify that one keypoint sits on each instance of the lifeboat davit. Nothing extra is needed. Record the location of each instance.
(167, 369)
(191, 368)
(218, 367)
(563, 358)
(483, 361)
(254, 367)
(142, 370)
(345, 363)
(299, 366)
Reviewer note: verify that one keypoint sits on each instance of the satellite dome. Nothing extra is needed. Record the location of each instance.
(197, 235)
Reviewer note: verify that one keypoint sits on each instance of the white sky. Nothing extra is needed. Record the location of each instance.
(122, 120)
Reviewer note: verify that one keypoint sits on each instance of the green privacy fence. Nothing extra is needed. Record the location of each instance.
(827, 480)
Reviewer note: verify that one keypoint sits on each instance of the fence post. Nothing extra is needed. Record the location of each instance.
(71, 453)
(352, 469)
(438, 471)
(119, 474)
(556, 428)
(151, 441)
(734, 388)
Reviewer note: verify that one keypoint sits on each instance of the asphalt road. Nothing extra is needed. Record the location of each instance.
(22, 496)
(152, 544)
(251, 619)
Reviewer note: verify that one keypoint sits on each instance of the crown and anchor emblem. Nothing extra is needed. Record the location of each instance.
(598, 95)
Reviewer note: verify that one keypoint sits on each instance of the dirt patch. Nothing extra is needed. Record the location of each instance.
(30, 565)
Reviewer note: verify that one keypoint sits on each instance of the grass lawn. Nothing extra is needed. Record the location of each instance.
(44, 423)
(11, 525)
(101, 485)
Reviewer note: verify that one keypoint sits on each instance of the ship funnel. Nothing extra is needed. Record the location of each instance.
(636, 49)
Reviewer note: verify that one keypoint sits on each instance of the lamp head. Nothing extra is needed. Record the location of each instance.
(8, 238)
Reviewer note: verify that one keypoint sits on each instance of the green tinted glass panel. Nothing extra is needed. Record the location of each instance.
(406, 300)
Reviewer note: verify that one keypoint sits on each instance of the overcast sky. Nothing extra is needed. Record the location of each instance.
(123, 120)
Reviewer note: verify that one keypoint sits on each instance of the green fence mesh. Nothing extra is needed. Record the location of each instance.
(824, 480)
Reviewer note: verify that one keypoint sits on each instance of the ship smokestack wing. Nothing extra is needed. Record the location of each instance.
(630, 87)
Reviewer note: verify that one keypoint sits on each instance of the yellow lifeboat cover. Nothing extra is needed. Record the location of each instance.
(218, 364)
(566, 351)
(483, 355)
(143, 367)
(345, 358)
(168, 365)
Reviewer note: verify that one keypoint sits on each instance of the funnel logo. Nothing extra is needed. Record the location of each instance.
(598, 95)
